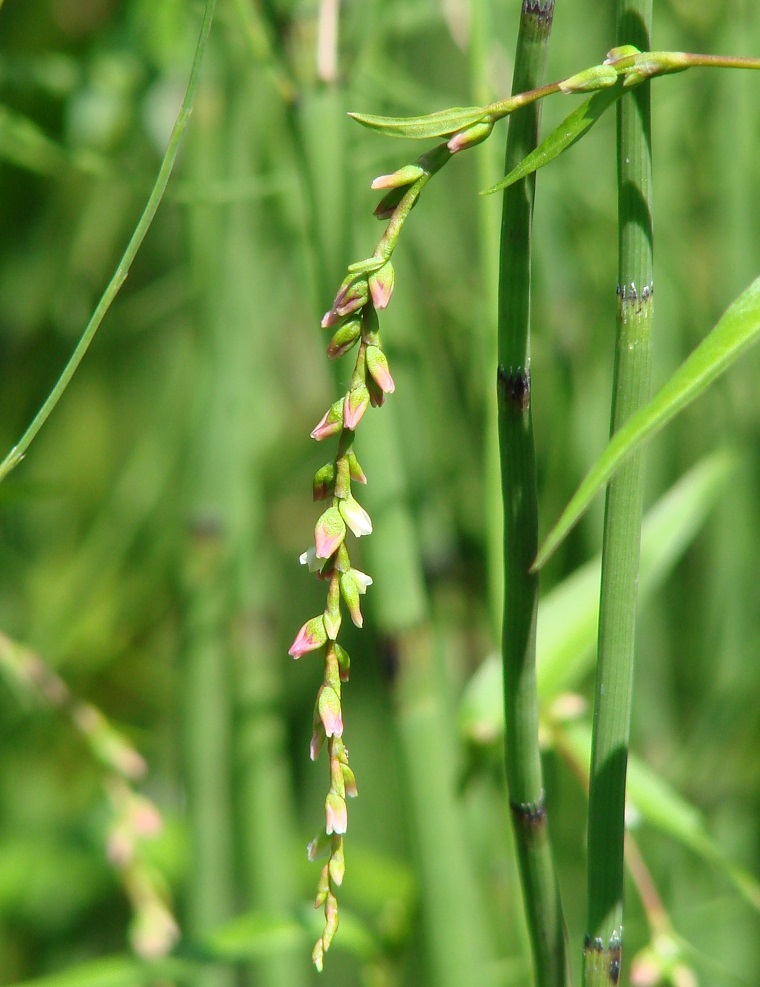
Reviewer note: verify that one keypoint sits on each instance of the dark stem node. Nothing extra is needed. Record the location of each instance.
(514, 386)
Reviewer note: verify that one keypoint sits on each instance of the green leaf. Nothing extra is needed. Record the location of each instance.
(660, 806)
(562, 137)
(735, 332)
(568, 615)
(441, 124)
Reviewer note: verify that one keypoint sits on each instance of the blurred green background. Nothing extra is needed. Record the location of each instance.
(150, 540)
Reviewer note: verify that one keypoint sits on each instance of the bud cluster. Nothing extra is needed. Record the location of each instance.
(353, 320)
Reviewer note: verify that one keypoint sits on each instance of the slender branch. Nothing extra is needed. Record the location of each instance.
(18, 452)
(622, 527)
(518, 470)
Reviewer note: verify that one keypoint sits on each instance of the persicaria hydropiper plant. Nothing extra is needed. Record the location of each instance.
(353, 319)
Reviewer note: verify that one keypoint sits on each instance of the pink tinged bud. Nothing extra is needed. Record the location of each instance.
(355, 517)
(355, 470)
(311, 637)
(352, 296)
(344, 662)
(328, 704)
(344, 338)
(337, 866)
(329, 532)
(355, 404)
(316, 742)
(377, 364)
(381, 285)
(336, 814)
(324, 481)
(349, 781)
(470, 136)
(376, 394)
(331, 920)
(353, 584)
(330, 424)
(330, 318)
(399, 179)
(146, 818)
(387, 205)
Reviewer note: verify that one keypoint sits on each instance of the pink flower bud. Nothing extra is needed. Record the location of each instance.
(350, 594)
(376, 394)
(344, 662)
(353, 584)
(349, 781)
(377, 364)
(331, 422)
(316, 742)
(336, 814)
(381, 285)
(387, 205)
(344, 338)
(355, 470)
(328, 704)
(470, 136)
(331, 920)
(353, 295)
(355, 404)
(329, 532)
(355, 517)
(311, 637)
(399, 179)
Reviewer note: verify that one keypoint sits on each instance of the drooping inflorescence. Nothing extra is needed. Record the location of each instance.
(353, 318)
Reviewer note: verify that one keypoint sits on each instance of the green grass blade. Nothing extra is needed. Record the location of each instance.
(660, 806)
(734, 333)
(18, 452)
(568, 614)
(572, 128)
(432, 125)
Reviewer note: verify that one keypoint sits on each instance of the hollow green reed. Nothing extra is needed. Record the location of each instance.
(518, 471)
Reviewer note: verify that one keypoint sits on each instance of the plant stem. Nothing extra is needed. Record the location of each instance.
(518, 471)
(622, 524)
(18, 452)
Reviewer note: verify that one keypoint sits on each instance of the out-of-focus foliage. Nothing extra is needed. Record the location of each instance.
(150, 539)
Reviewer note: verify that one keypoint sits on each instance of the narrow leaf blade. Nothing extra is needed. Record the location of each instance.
(572, 128)
(440, 124)
(738, 328)
(568, 614)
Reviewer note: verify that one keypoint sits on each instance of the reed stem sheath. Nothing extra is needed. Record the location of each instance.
(518, 471)
(622, 524)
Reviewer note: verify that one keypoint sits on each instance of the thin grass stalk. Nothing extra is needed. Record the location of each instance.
(518, 471)
(17, 453)
(622, 524)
